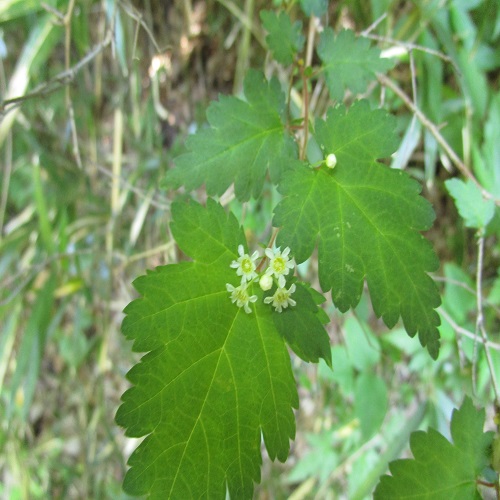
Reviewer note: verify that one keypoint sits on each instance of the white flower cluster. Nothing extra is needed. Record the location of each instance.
(279, 266)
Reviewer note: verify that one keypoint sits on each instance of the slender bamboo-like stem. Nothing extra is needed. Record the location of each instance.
(244, 49)
(311, 32)
(305, 100)
(139, 19)
(7, 159)
(68, 100)
(433, 129)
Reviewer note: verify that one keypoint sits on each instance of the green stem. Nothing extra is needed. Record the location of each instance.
(244, 49)
(305, 93)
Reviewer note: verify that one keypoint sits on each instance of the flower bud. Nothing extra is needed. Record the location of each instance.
(331, 160)
(266, 282)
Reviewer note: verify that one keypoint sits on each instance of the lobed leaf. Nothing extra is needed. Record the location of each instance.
(245, 140)
(349, 62)
(439, 468)
(302, 327)
(365, 220)
(314, 7)
(476, 211)
(214, 379)
(284, 39)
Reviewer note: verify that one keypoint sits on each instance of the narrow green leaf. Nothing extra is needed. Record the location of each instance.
(284, 39)
(9, 318)
(474, 81)
(32, 346)
(365, 220)
(439, 468)
(487, 160)
(244, 141)
(12, 9)
(349, 62)
(215, 378)
(34, 54)
(42, 211)
(495, 459)
(114, 17)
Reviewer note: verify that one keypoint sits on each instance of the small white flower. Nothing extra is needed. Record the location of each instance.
(240, 295)
(279, 264)
(331, 160)
(245, 265)
(281, 298)
(266, 282)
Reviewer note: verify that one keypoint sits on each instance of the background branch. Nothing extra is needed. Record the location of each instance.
(433, 129)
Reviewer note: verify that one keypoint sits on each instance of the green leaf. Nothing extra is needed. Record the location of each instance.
(370, 403)
(245, 139)
(495, 459)
(472, 207)
(215, 379)
(36, 50)
(316, 7)
(31, 348)
(284, 39)
(349, 62)
(467, 433)
(487, 164)
(12, 9)
(365, 220)
(362, 345)
(439, 468)
(459, 299)
(42, 211)
(302, 327)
